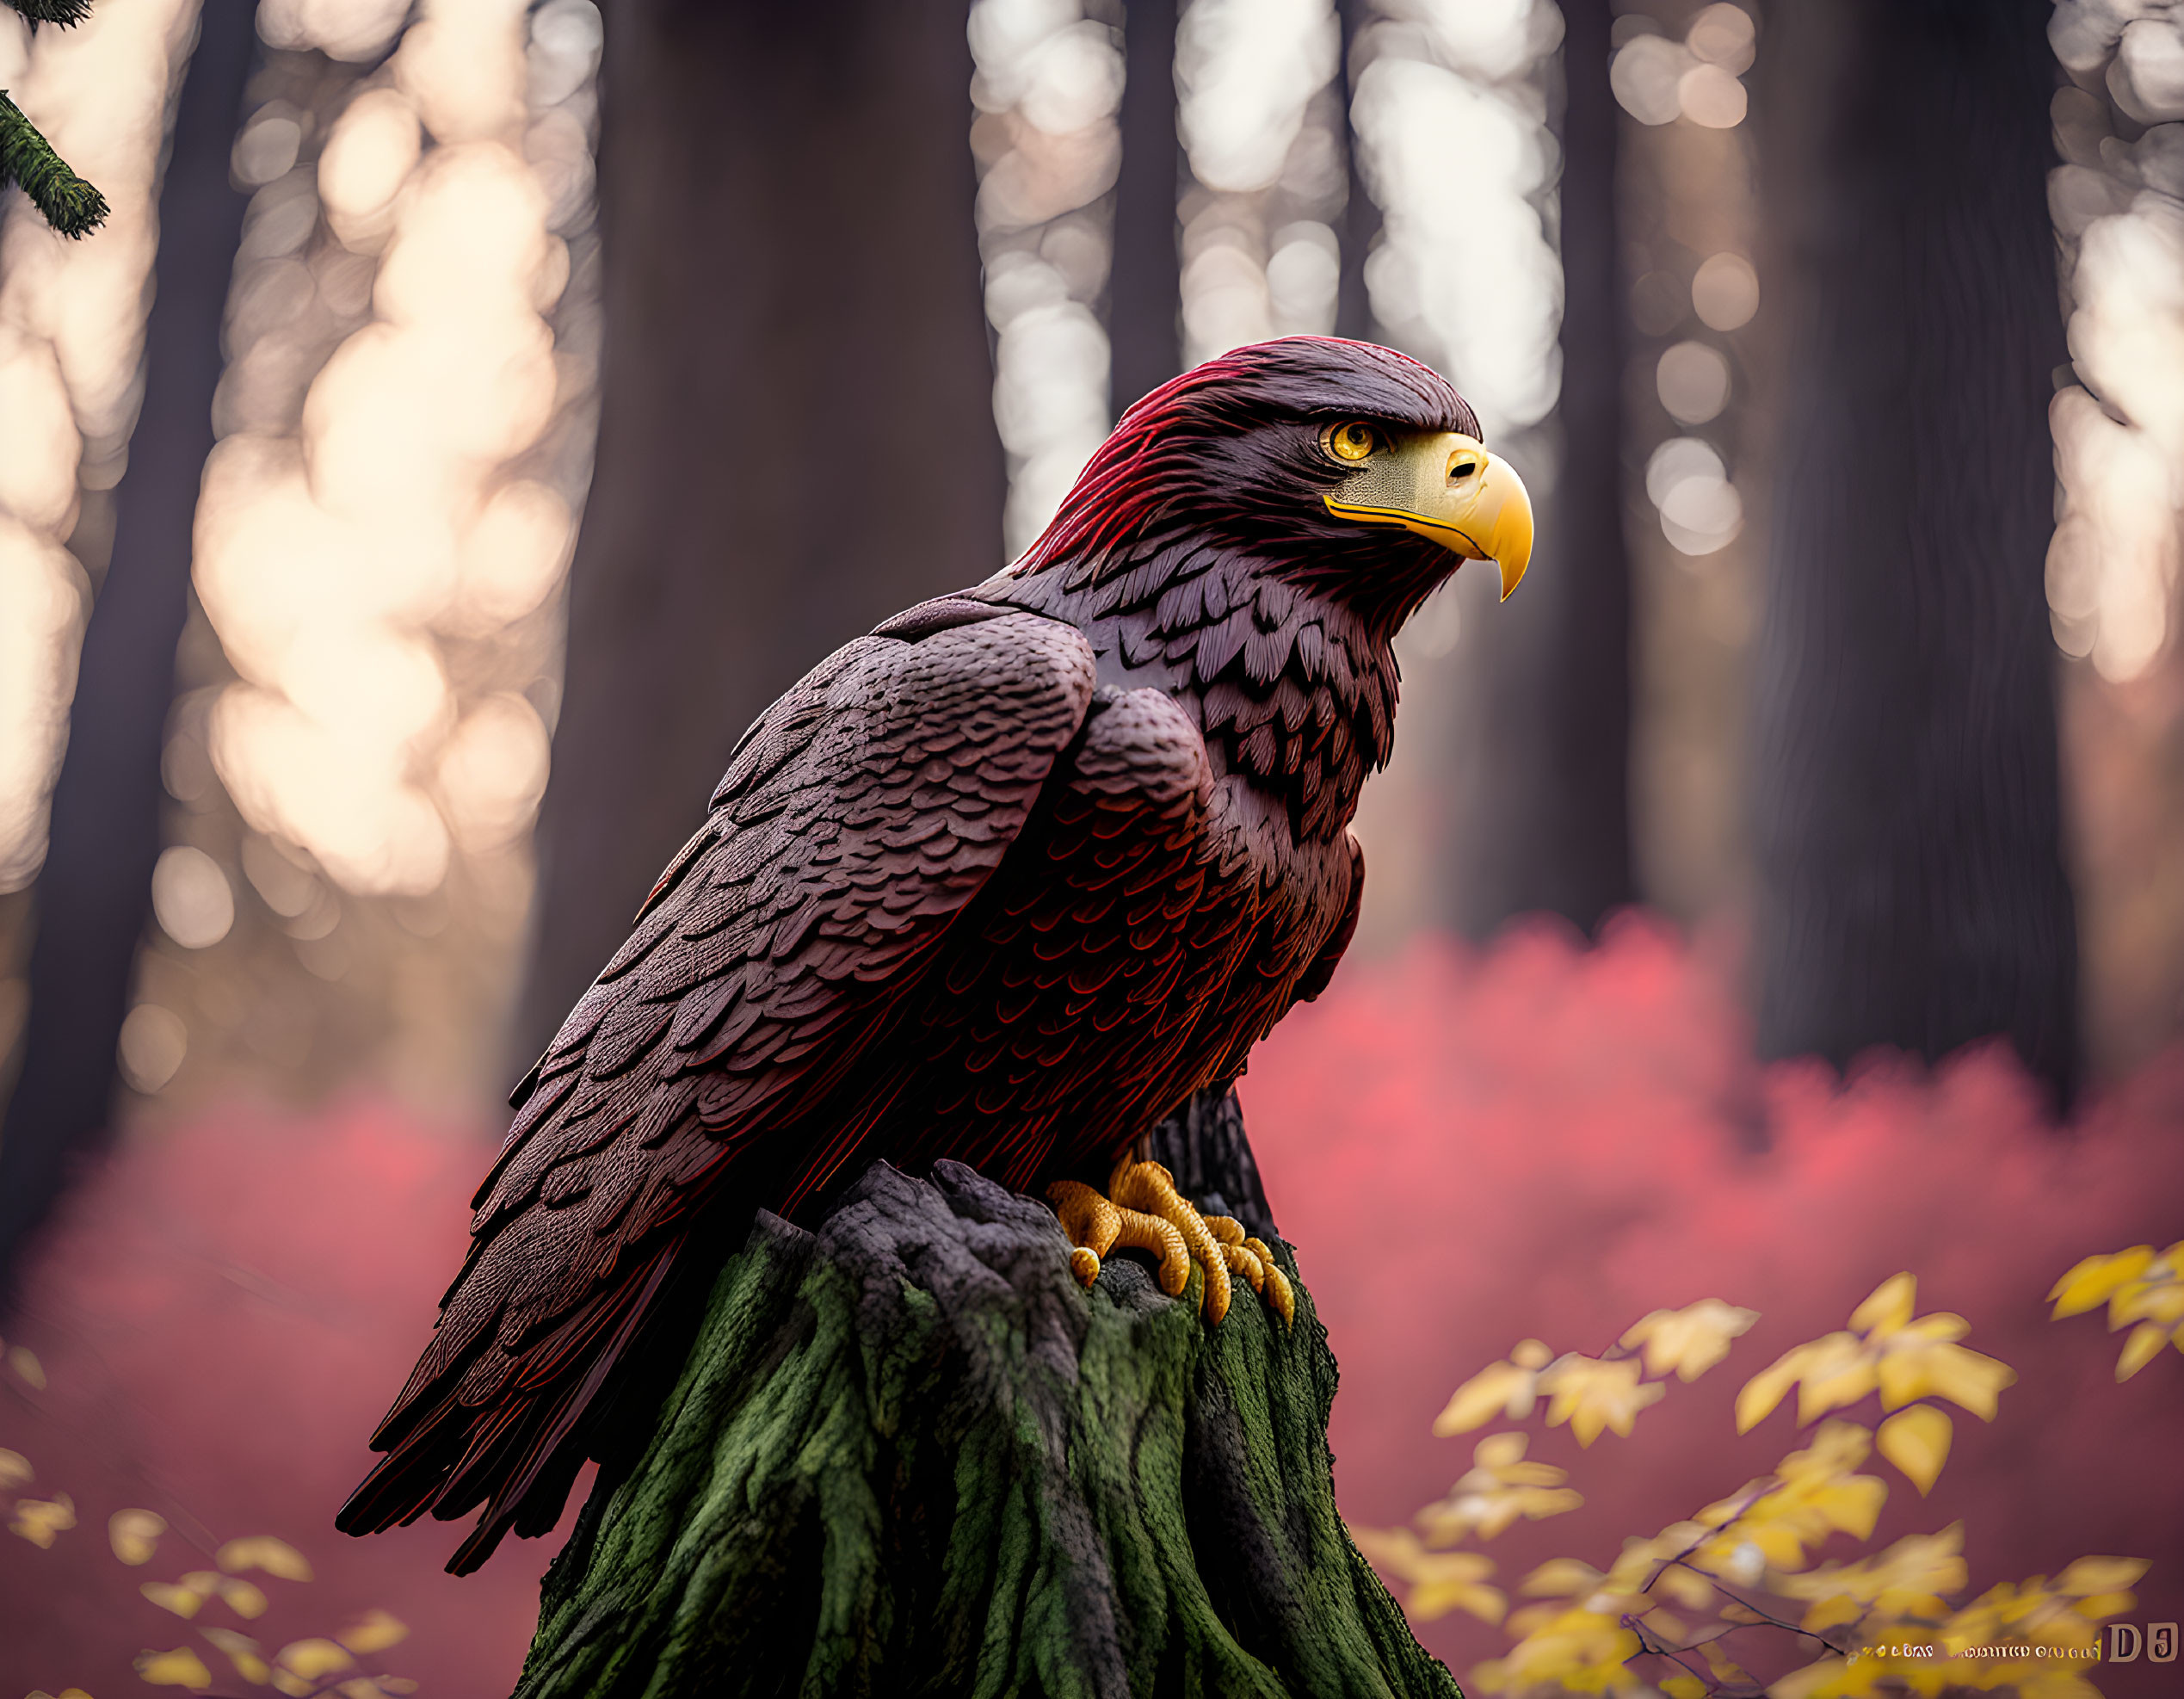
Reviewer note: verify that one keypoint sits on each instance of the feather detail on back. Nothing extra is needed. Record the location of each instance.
(856, 820)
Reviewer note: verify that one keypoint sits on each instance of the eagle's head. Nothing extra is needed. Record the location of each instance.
(1347, 468)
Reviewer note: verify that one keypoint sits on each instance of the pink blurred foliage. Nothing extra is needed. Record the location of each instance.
(1470, 1148)
(224, 1317)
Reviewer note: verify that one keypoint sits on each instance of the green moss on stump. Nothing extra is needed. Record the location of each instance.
(909, 1455)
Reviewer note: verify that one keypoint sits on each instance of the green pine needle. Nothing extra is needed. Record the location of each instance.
(71, 206)
(62, 12)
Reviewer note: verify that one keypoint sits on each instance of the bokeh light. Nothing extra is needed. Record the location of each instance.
(1262, 125)
(190, 897)
(1692, 379)
(2118, 208)
(1047, 85)
(1725, 291)
(1701, 510)
(1450, 96)
(71, 327)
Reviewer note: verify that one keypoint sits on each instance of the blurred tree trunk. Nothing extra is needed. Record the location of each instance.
(1911, 886)
(94, 893)
(1360, 217)
(1544, 823)
(1144, 279)
(796, 435)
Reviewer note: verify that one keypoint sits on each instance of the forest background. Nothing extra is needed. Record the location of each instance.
(470, 416)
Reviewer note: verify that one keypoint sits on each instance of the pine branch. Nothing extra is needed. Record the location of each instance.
(62, 12)
(71, 206)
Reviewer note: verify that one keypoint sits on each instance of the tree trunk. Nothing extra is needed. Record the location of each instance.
(94, 893)
(1911, 886)
(797, 434)
(1145, 279)
(909, 1455)
(1361, 218)
(1544, 823)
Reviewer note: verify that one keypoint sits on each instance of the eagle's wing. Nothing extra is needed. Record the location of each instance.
(857, 818)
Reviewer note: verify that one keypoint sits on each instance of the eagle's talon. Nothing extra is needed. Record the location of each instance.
(1143, 1230)
(1090, 1220)
(1149, 1187)
(1278, 1293)
(1144, 1211)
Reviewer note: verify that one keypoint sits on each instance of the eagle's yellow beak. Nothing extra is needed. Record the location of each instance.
(1445, 487)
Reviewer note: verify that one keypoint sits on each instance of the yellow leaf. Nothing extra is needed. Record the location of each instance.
(1580, 1651)
(1839, 1371)
(41, 1521)
(1907, 1581)
(134, 1535)
(1889, 1307)
(1726, 1668)
(1435, 1582)
(1430, 1599)
(1918, 1367)
(1836, 1447)
(1592, 1395)
(15, 1469)
(180, 1668)
(313, 1658)
(2157, 1296)
(240, 1597)
(2142, 1348)
(183, 1601)
(1831, 1678)
(1503, 1388)
(1831, 1613)
(377, 1630)
(28, 1370)
(1683, 1687)
(2101, 1575)
(263, 1551)
(2091, 1283)
(1688, 1587)
(1561, 1578)
(1499, 1488)
(294, 1686)
(1768, 1389)
(1918, 1441)
(243, 1652)
(1690, 1340)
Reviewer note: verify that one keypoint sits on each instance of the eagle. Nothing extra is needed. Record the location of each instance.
(1004, 881)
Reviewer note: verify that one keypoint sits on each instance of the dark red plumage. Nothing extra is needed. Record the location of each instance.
(1004, 881)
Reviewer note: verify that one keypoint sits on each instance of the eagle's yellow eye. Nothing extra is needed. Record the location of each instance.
(1352, 442)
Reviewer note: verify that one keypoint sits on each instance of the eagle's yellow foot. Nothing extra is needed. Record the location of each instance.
(1144, 1211)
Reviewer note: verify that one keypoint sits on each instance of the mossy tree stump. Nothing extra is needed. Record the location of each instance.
(910, 1455)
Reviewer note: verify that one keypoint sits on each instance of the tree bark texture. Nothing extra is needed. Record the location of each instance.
(910, 1455)
(1911, 885)
(797, 433)
(1545, 820)
(1145, 277)
(94, 895)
